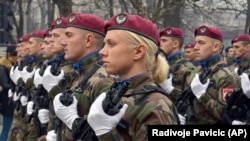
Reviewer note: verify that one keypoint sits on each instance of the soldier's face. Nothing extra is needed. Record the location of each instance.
(33, 46)
(23, 49)
(56, 37)
(117, 54)
(240, 50)
(167, 45)
(46, 48)
(189, 54)
(204, 47)
(75, 43)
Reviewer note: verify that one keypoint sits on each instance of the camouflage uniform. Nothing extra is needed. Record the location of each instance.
(98, 82)
(18, 130)
(209, 109)
(181, 69)
(144, 109)
(32, 133)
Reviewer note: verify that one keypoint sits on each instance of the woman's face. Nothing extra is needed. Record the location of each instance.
(117, 54)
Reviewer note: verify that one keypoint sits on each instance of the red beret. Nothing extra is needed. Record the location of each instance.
(172, 32)
(60, 22)
(209, 31)
(38, 33)
(189, 45)
(24, 38)
(134, 23)
(48, 32)
(89, 22)
(241, 37)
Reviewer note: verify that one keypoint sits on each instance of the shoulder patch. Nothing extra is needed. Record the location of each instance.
(224, 93)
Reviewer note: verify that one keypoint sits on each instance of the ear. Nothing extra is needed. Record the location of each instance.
(217, 47)
(89, 40)
(140, 51)
(175, 43)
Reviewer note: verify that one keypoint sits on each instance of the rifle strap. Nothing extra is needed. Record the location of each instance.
(81, 85)
(145, 90)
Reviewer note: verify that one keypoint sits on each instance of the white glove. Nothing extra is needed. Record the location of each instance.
(27, 75)
(50, 80)
(30, 107)
(197, 87)
(10, 93)
(43, 115)
(67, 114)
(24, 100)
(16, 96)
(38, 79)
(236, 70)
(245, 84)
(237, 122)
(182, 119)
(15, 74)
(51, 136)
(101, 122)
(167, 84)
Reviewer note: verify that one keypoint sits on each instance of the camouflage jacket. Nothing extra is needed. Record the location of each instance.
(143, 109)
(209, 109)
(181, 70)
(244, 65)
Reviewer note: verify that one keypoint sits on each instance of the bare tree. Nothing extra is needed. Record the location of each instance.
(64, 7)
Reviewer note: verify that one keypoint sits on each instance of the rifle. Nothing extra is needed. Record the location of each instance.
(237, 107)
(55, 70)
(185, 98)
(111, 105)
(41, 100)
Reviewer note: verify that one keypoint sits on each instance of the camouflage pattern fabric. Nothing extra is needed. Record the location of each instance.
(210, 107)
(143, 109)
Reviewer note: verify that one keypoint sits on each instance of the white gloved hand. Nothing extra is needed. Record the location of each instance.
(237, 122)
(51, 136)
(10, 93)
(43, 115)
(101, 122)
(38, 79)
(67, 114)
(50, 80)
(197, 87)
(167, 84)
(182, 119)
(27, 75)
(30, 109)
(236, 70)
(16, 96)
(24, 100)
(245, 84)
(15, 74)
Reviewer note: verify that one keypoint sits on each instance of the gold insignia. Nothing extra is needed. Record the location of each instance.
(169, 31)
(71, 18)
(58, 22)
(120, 19)
(203, 29)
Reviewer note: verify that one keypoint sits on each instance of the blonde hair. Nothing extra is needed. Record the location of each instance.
(155, 63)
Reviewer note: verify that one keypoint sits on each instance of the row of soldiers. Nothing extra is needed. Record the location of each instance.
(68, 85)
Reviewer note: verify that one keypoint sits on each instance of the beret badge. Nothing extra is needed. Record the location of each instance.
(236, 38)
(72, 18)
(58, 22)
(169, 31)
(203, 29)
(120, 19)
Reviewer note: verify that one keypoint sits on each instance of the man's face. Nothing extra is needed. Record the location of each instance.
(57, 35)
(189, 54)
(74, 44)
(34, 46)
(203, 47)
(240, 50)
(46, 48)
(24, 51)
(167, 44)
